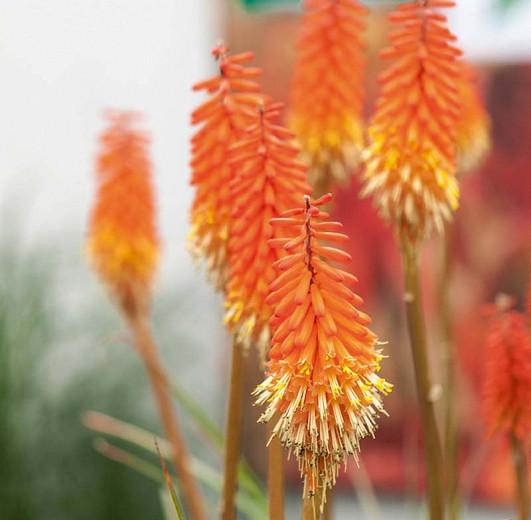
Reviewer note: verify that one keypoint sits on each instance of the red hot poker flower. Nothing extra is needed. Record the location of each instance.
(123, 244)
(473, 131)
(411, 163)
(327, 88)
(322, 381)
(221, 119)
(507, 390)
(268, 180)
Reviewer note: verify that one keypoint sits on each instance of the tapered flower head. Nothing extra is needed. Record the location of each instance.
(507, 390)
(269, 179)
(411, 160)
(473, 130)
(221, 119)
(327, 88)
(122, 242)
(322, 380)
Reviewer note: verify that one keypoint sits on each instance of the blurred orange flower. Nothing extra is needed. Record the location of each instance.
(327, 88)
(322, 383)
(473, 131)
(123, 244)
(268, 180)
(507, 387)
(221, 119)
(411, 159)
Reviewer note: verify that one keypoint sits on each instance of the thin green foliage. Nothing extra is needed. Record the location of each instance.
(247, 477)
(253, 505)
(169, 483)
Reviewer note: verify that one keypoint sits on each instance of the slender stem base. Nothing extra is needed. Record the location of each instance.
(148, 350)
(448, 354)
(328, 512)
(275, 479)
(233, 434)
(522, 484)
(417, 333)
(311, 506)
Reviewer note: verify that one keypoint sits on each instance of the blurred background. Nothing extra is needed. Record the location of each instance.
(63, 347)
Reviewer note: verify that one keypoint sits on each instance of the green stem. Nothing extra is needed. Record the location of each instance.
(522, 484)
(417, 333)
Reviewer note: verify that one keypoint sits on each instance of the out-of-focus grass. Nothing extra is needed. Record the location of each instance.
(48, 468)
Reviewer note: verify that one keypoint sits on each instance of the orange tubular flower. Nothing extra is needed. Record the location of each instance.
(327, 88)
(507, 391)
(410, 163)
(221, 121)
(322, 380)
(123, 244)
(269, 180)
(473, 130)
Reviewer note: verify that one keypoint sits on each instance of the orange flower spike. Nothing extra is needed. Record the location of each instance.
(122, 242)
(411, 159)
(473, 131)
(507, 390)
(268, 180)
(221, 119)
(321, 379)
(327, 88)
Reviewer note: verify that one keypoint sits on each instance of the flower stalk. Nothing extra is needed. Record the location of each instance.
(147, 349)
(521, 476)
(275, 478)
(233, 433)
(417, 333)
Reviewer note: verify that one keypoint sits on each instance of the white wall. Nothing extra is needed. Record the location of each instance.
(61, 63)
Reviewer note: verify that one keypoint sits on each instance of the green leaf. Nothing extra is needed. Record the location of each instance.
(268, 4)
(169, 484)
(249, 501)
(508, 4)
(247, 477)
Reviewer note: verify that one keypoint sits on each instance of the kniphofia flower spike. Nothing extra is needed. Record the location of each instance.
(473, 131)
(321, 379)
(411, 160)
(221, 119)
(327, 88)
(122, 242)
(268, 180)
(507, 391)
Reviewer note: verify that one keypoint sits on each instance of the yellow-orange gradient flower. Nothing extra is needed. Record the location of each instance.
(268, 180)
(221, 120)
(123, 244)
(410, 162)
(473, 130)
(321, 379)
(327, 88)
(507, 391)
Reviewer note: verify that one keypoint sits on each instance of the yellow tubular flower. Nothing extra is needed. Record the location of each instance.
(322, 379)
(221, 120)
(327, 88)
(473, 130)
(410, 162)
(122, 243)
